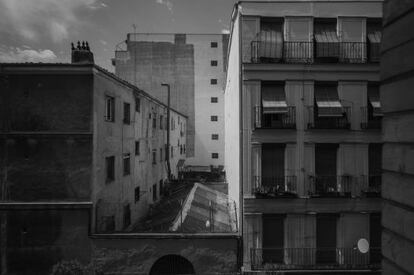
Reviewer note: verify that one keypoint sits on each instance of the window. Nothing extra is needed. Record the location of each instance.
(214, 136)
(214, 44)
(214, 155)
(161, 121)
(137, 149)
(137, 194)
(213, 63)
(214, 118)
(213, 81)
(127, 164)
(127, 215)
(110, 168)
(154, 156)
(274, 106)
(154, 192)
(273, 166)
(137, 104)
(110, 108)
(271, 39)
(273, 237)
(214, 99)
(172, 124)
(127, 113)
(154, 120)
(298, 30)
(160, 154)
(326, 238)
(327, 42)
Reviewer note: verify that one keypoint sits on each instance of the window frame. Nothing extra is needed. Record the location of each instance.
(110, 173)
(126, 164)
(109, 108)
(127, 113)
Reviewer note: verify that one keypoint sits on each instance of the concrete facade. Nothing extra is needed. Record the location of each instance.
(195, 70)
(397, 63)
(289, 153)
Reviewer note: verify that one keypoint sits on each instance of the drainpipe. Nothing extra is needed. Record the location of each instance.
(167, 151)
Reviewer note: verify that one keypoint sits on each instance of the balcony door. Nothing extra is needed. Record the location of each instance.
(374, 167)
(326, 40)
(326, 168)
(352, 37)
(375, 238)
(274, 106)
(269, 43)
(273, 168)
(273, 238)
(326, 239)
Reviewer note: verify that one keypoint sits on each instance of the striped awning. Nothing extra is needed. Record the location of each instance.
(329, 108)
(374, 37)
(271, 44)
(326, 37)
(274, 99)
(274, 107)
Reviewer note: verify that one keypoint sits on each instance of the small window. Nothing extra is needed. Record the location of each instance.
(154, 120)
(161, 121)
(110, 168)
(137, 193)
(127, 215)
(213, 63)
(137, 104)
(154, 192)
(214, 118)
(161, 154)
(214, 99)
(214, 155)
(137, 149)
(110, 108)
(127, 164)
(214, 44)
(213, 81)
(214, 136)
(127, 113)
(154, 156)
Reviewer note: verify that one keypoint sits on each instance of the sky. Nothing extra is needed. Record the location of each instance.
(42, 30)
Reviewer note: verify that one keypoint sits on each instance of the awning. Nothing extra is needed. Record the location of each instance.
(376, 106)
(274, 107)
(374, 37)
(329, 108)
(270, 44)
(274, 99)
(326, 37)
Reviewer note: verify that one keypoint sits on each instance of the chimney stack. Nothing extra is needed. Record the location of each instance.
(81, 54)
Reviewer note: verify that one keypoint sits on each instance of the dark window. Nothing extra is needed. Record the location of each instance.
(154, 156)
(127, 113)
(215, 136)
(374, 28)
(137, 193)
(127, 164)
(214, 99)
(110, 168)
(109, 108)
(375, 237)
(161, 188)
(161, 121)
(327, 42)
(213, 81)
(214, 63)
(160, 154)
(214, 155)
(214, 44)
(273, 166)
(325, 169)
(154, 192)
(273, 238)
(326, 238)
(213, 118)
(137, 149)
(127, 215)
(137, 104)
(154, 121)
(374, 167)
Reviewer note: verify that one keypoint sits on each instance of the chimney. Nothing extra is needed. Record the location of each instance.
(81, 54)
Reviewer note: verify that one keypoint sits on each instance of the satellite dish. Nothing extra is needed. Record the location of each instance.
(363, 246)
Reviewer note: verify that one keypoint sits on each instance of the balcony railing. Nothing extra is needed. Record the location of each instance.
(275, 121)
(371, 185)
(267, 51)
(341, 122)
(332, 186)
(268, 187)
(314, 258)
(369, 121)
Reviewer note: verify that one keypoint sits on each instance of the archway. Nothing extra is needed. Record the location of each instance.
(172, 265)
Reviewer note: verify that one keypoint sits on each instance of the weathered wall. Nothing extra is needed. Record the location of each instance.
(211, 255)
(397, 64)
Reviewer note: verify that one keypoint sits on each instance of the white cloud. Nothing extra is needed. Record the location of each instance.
(16, 54)
(40, 19)
(225, 31)
(166, 3)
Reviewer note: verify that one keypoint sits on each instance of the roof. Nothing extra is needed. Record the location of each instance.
(63, 68)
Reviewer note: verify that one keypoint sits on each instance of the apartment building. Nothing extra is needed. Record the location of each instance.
(303, 118)
(193, 65)
(397, 97)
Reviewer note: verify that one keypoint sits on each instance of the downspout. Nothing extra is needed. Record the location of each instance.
(167, 151)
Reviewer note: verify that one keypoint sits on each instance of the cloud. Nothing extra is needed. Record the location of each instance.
(16, 54)
(225, 31)
(44, 19)
(166, 3)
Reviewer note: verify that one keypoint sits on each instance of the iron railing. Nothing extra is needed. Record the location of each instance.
(314, 258)
(371, 185)
(284, 186)
(334, 122)
(352, 52)
(275, 121)
(298, 52)
(368, 121)
(332, 186)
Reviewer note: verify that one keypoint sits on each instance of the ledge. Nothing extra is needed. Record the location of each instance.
(45, 205)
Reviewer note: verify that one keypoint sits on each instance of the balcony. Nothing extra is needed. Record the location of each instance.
(332, 186)
(286, 120)
(369, 121)
(274, 187)
(328, 122)
(372, 185)
(314, 258)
